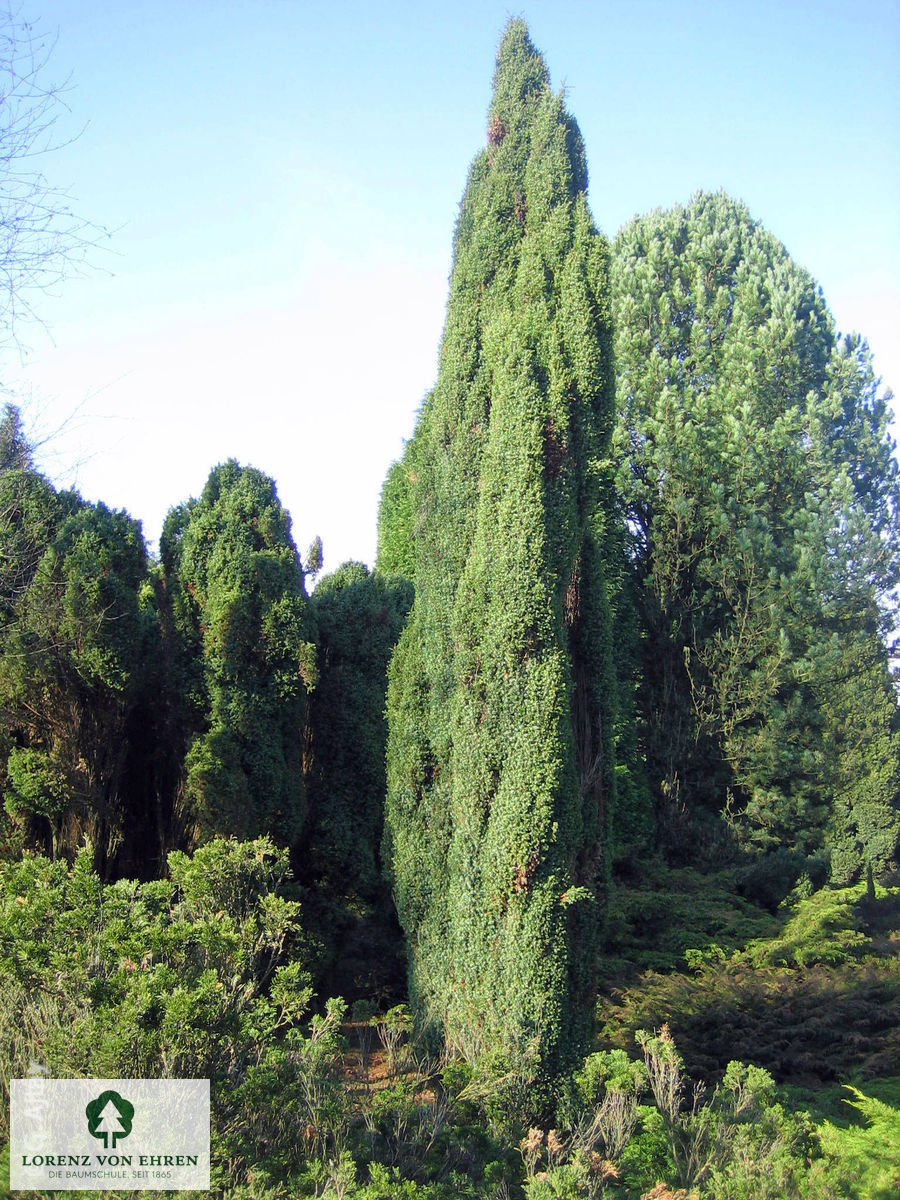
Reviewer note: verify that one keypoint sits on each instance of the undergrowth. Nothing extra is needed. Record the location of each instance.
(816, 1000)
(764, 1069)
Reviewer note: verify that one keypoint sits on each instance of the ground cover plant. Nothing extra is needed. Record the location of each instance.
(204, 973)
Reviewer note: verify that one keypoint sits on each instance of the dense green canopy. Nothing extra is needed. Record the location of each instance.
(761, 503)
(499, 757)
(236, 587)
(619, 680)
(71, 659)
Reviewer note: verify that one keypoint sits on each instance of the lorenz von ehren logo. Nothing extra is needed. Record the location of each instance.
(109, 1116)
(105, 1134)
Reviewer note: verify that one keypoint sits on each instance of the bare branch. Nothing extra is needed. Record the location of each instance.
(42, 240)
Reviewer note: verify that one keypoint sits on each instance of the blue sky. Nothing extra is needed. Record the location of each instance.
(282, 178)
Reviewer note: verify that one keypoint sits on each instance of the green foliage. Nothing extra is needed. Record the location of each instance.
(15, 450)
(760, 512)
(657, 915)
(85, 691)
(608, 1071)
(188, 976)
(866, 1158)
(71, 669)
(29, 511)
(37, 785)
(862, 750)
(499, 758)
(735, 526)
(238, 613)
(560, 1183)
(202, 974)
(824, 928)
(157, 970)
(386, 1183)
(646, 1158)
(813, 1022)
(736, 1140)
(770, 878)
(358, 617)
(814, 992)
(396, 515)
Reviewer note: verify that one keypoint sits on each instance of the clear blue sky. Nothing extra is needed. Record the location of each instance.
(282, 179)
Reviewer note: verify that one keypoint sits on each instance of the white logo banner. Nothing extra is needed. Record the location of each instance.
(109, 1134)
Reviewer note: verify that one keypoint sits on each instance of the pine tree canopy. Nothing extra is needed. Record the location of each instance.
(761, 503)
(499, 755)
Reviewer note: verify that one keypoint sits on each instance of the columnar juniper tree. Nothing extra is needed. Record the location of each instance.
(71, 673)
(238, 612)
(358, 617)
(499, 757)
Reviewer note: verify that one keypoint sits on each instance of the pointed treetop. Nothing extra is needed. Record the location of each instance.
(15, 451)
(520, 74)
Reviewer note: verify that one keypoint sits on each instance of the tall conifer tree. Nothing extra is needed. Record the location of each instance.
(71, 610)
(237, 614)
(761, 502)
(499, 756)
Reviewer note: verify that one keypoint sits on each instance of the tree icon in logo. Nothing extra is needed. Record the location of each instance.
(109, 1116)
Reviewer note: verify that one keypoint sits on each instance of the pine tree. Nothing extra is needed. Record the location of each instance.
(760, 503)
(500, 771)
